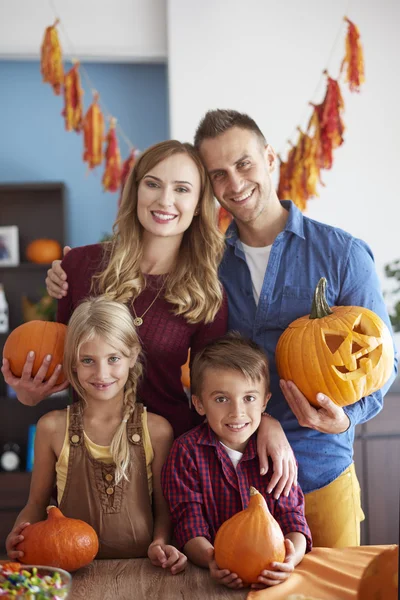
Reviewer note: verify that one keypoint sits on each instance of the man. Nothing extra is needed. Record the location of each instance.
(273, 261)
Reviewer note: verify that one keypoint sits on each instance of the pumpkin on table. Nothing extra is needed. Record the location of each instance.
(345, 352)
(59, 542)
(43, 337)
(380, 579)
(250, 541)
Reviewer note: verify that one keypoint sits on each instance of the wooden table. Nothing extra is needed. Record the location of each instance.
(326, 574)
(138, 579)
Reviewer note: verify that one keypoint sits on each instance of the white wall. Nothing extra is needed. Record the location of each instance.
(266, 58)
(117, 30)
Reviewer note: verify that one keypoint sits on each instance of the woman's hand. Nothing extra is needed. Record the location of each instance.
(13, 539)
(56, 280)
(272, 441)
(279, 572)
(167, 557)
(32, 390)
(223, 576)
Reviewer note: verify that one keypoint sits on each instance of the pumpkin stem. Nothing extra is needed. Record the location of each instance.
(253, 491)
(320, 307)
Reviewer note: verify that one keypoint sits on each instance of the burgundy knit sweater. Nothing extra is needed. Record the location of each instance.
(165, 338)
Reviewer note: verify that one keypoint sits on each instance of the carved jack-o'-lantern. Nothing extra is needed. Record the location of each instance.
(345, 352)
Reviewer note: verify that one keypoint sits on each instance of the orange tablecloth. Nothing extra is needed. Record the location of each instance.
(324, 574)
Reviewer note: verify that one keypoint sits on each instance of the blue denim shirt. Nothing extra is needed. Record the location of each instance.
(301, 254)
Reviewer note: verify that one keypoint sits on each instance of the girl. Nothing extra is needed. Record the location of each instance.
(104, 452)
(162, 263)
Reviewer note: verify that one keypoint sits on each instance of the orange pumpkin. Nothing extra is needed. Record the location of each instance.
(345, 352)
(380, 579)
(43, 251)
(250, 541)
(43, 337)
(185, 373)
(59, 542)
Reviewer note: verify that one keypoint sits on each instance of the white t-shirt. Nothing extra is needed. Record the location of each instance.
(257, 261)
(234, 455)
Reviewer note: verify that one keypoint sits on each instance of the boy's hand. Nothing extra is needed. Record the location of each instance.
(167, 557)
(13, 539)
(223, 576)
(279, 571)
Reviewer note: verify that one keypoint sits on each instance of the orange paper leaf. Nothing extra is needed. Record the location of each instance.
(112, 173)
(93, 135)
(73, 108)
(354, 58)
(51, 65)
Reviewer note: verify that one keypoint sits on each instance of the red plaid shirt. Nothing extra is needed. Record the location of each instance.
(203, 489)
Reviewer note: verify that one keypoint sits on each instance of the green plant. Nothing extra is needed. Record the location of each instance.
(392, 269)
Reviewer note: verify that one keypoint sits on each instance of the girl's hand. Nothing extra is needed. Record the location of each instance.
(279, 571)
(272, 441)
(13, 539)
(32, 390)
(56, 280)
(167, 557)
(223, 576)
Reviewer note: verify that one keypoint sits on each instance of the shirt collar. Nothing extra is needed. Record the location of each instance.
(294, 223)
(208, 438)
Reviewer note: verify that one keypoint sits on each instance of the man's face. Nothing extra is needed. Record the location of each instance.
(240, 171)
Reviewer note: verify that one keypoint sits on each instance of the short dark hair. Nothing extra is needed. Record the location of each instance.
(232, 352)
(218, 121)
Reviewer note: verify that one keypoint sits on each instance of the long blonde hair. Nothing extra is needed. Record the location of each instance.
(192, 287)
(112, 322)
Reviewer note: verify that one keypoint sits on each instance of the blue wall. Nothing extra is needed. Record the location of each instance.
(34, 145)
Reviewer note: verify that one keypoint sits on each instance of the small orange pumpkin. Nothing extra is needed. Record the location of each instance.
(59, 542)
(380, 579)
(185, 373)
(43, 251)
(250, 541)
(345, 352)
(43, 337)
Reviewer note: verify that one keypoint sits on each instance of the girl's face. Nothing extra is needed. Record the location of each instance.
(103, 369)
(168, 196)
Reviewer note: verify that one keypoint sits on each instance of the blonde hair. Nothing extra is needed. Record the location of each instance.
(192, 287)
(112, 322)
(230, 352)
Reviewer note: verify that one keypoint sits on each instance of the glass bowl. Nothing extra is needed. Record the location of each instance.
(35, 582)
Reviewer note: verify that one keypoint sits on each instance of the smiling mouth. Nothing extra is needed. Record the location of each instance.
(236, 427)
(244, 197)
(102, 386)
(163, 217)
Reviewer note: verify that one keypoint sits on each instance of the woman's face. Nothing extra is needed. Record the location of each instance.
(168, 196)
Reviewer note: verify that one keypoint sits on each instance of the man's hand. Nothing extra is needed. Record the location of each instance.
(330, 418)
(32, 390)
(56, 280)
(223, 576)
(167, 557)
(279, 572)
(272, 441)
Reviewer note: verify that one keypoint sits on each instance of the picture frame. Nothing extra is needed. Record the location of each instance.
(9, 246)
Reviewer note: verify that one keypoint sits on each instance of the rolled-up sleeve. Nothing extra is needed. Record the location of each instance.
(182, 490)
(289, 512)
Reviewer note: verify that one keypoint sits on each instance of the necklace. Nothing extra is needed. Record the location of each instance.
(138, 321)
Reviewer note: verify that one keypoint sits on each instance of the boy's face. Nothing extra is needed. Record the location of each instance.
(232, 404)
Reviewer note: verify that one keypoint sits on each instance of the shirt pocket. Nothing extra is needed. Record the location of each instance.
(296, 302)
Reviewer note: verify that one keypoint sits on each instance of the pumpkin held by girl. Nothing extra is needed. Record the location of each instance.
(344, 352)
(59, 542)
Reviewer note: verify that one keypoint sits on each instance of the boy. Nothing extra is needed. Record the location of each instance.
(207, 476)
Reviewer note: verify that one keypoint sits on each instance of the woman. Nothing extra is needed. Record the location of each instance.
(162, 262)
